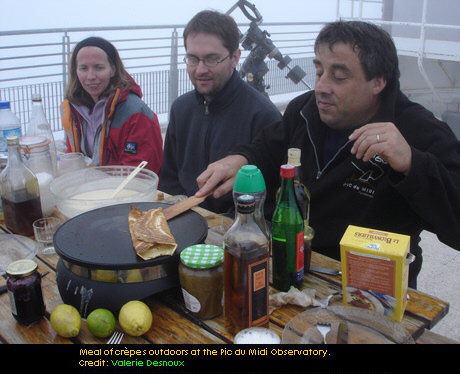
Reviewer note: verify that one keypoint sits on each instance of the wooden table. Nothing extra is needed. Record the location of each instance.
(172, 324)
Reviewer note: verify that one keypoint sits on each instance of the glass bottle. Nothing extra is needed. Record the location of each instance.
(246, 266)
(39, 126)
(20, 192)
(37, 158)
(250, 181)
(302, 195)
(287, 235)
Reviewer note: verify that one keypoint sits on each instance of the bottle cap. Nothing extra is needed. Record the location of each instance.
(36, 97)
(245, 204)
(4, 105)
(21, 268)
(32, 144)
(294, 156)
(287, 171)
(249, 180)
(12, 140)
(202, 256)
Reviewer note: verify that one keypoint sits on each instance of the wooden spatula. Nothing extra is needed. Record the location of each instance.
(182, 206)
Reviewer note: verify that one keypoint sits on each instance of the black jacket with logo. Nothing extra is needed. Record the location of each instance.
(345, 190)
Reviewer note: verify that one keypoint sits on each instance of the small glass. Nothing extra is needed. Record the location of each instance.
(44, 230)
(69, 162)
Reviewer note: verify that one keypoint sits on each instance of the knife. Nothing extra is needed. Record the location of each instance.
(325, 271)
(342, 333)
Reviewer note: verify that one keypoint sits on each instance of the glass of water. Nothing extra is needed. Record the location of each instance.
(44, 229)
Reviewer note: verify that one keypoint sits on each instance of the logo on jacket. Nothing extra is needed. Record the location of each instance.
(366, 176)
(131, 147)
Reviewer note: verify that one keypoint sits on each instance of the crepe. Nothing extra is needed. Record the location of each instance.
(150, 233)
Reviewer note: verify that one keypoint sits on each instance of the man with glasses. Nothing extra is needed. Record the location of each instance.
(221, 112)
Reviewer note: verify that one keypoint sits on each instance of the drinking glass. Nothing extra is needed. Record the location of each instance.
(69, 162)
(44, 230)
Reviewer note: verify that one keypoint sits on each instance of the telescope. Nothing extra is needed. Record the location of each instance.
(261, 46)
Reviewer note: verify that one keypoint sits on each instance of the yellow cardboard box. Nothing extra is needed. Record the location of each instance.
(375, 270)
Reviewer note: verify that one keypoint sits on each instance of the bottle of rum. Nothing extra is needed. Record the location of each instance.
(246, 268)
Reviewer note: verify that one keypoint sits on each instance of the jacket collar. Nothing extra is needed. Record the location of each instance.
(225, 96)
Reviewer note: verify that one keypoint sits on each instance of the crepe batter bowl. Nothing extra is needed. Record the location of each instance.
(98, 267)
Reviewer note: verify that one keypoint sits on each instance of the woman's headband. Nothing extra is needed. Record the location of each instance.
(100, 43)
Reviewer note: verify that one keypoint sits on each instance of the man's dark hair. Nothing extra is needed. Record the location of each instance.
(215, 23)
(374, 46)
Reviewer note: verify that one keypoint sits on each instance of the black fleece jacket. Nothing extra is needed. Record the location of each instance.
(345, 190)
(201, 132)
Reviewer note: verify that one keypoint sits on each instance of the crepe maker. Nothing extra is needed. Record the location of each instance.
(98, 267)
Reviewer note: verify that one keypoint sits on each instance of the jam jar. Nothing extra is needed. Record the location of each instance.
(25, 291)
(201, 277)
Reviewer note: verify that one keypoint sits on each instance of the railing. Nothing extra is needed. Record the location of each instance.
(36, 61)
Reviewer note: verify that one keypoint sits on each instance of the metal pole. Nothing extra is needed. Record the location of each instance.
(173, 87)
(65, 59)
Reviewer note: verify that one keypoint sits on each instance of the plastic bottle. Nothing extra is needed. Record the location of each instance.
(37, 158)
(9, 126)
(39, 126)
(287, 235)
(246, 267)
(250, 181)
(19, 192)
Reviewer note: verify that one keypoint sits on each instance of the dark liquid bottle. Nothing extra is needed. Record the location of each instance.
(288, 235)
(246, 270)
(20, 192)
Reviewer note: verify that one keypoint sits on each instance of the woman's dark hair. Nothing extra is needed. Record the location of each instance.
(374, 46)
(215, 23)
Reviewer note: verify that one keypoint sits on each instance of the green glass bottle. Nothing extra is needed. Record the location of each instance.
(288, 235)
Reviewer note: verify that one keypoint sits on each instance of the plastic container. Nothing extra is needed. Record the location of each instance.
(9, 126)
(201, 277)
(84, 190)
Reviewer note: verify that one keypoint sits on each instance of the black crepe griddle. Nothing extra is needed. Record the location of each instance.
(97, 258)
(100, 238)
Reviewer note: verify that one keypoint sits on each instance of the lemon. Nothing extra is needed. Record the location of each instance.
(101, 323)
(66, 321)
(135, 318)
(108, 276)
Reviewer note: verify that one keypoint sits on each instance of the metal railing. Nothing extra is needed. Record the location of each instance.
(36, 61)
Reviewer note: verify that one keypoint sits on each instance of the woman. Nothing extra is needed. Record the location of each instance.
(103, 115)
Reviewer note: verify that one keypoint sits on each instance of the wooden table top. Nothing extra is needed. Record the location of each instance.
(172, 323)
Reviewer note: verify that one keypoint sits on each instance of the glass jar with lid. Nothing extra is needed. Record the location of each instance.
(25, 291)
(201, 277)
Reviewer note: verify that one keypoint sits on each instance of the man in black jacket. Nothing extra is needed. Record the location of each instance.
(370, 156)
(222, 112)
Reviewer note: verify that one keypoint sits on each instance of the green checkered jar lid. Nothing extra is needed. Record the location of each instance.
(202, 256)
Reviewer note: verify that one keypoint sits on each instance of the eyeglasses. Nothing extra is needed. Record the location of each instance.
(210, 62)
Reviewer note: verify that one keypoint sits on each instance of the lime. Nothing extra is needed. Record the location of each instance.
(135, 318)
(101, 323)
(66, 321)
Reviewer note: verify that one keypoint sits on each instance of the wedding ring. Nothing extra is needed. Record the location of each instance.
(378, 138)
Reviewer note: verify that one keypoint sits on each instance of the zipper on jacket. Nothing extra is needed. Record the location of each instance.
(320, 171)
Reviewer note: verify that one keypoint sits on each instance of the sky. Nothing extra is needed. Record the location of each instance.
(39, 14)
